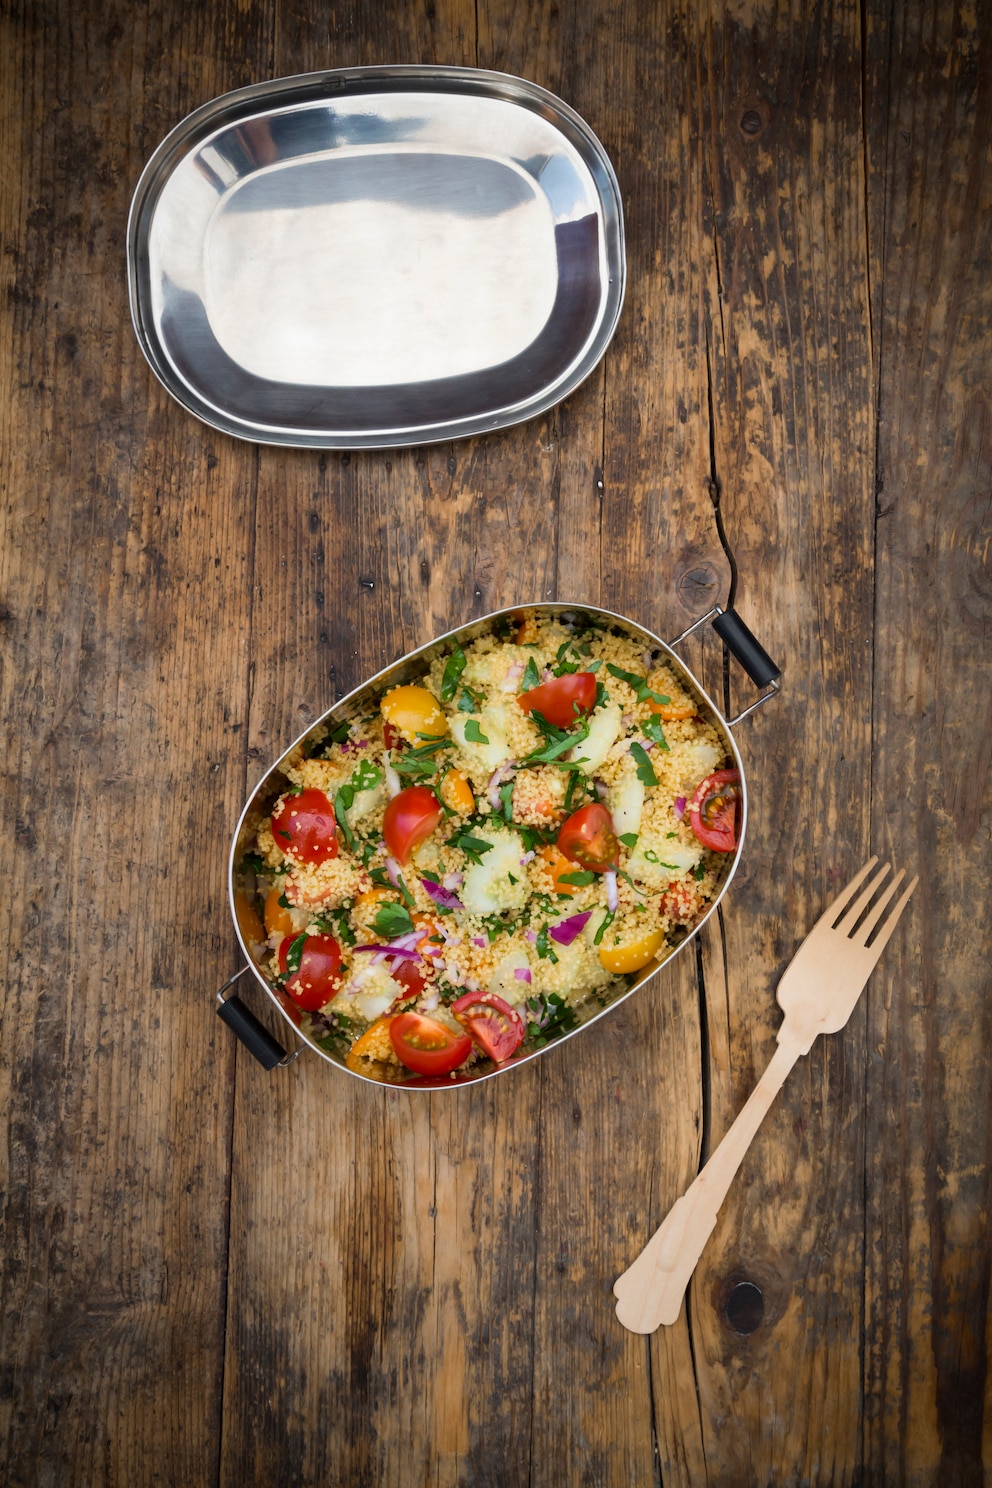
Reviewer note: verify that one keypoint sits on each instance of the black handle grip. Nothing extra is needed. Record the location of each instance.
(254, 1035)
(749, 652)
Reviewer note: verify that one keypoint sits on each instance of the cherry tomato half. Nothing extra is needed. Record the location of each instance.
(588, 838)
(562, 700)
(714, 811)
(496, 1027)
(314, 981)
(426, 1046)
(410, 817)
(411, 975)
(304, 827)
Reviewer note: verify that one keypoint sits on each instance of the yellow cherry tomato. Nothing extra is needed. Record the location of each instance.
(456, 793)
(633, 955)
(410, 711)
(278, 920)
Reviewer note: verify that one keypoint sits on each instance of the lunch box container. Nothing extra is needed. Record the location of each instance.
(727, 625)
(376, 256)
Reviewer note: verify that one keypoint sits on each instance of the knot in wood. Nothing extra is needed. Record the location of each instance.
(751, 123)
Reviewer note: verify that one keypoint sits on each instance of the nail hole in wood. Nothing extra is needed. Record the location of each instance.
(745, 1307)
(751, 122)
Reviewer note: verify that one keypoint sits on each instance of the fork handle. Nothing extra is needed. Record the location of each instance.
(650, 1291)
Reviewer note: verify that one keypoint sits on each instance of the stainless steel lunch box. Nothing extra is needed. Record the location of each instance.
(727, 624)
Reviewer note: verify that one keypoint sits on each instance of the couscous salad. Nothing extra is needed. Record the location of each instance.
(447, 878)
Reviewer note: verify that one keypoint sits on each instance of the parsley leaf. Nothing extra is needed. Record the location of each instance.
(652, 729)
(506, 796)
(453, 669)
(543, 948)
(629, 839)
(640, 686)
(580, 879)
(605, 924)
(472, 847)
(645, 770)
(392, 920)
(295, 954)
(469, 701)
(473, 732)
(531, 675)
(559, 745)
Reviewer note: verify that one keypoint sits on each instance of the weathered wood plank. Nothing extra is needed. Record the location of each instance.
(122, 566)
(927, 1385)
(780, 150)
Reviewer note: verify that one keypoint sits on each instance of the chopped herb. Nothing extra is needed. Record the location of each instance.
(420, 761)
(472, 847)
(366, 777)
(699, 873)
(453, 669)
(580, 879)
(543, 948)
(512, 879)
(550, 1017)
(640, 686)
(560, 744)
(650, 855)
(653, 730)
(470, 701)
(343, 799)
(253, 862)
(392, 920)
(506, 796)
(473, 733)
(629, 840)
(534, 837)
(338, 923)
(645, 770)
(531, 675)
(295, 954)
(283, 902)
(281, 832)
(405, 894)
(380, 876)
(605, 924)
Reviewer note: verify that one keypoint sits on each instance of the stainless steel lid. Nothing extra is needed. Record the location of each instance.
(376, 256)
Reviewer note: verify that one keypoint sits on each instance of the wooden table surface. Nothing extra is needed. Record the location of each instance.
(214, 1275)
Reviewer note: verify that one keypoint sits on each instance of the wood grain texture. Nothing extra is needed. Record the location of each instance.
(213, 1275)
(927, 1391)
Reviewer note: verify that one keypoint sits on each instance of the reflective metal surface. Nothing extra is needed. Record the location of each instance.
(375, 257)
(409, 668)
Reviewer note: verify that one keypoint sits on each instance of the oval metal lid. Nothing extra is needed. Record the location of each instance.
(375, 257)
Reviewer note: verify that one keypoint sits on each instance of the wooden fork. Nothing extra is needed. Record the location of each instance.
(817, 993)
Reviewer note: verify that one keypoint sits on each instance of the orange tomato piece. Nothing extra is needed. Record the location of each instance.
(278, 920)
(632, 956)
(252, 930)
(559, 864)
(457, 794)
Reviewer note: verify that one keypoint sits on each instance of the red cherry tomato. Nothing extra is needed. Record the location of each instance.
(562, 700)
(587, 837)
(304, 827)
(714, 811)
(411, 975)
(317, 963)
(496, 1027)
(426, 1046)
(391, 737)
(410, 816)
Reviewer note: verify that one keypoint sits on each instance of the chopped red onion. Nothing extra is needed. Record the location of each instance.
(527, 858)
(389, 950)
(522, 974)
(531, 935)
(429, 1000)
(441, 896)
(679, 807)
(496, 779)
(612, 897)
(453, 880)
(566, 930)
(480, 940)
(513, 675)
(393, 872)
(602, 789)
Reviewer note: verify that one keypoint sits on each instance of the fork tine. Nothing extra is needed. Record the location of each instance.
(880, 940)
(851, 913)
(878, 910)
(836, 906)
